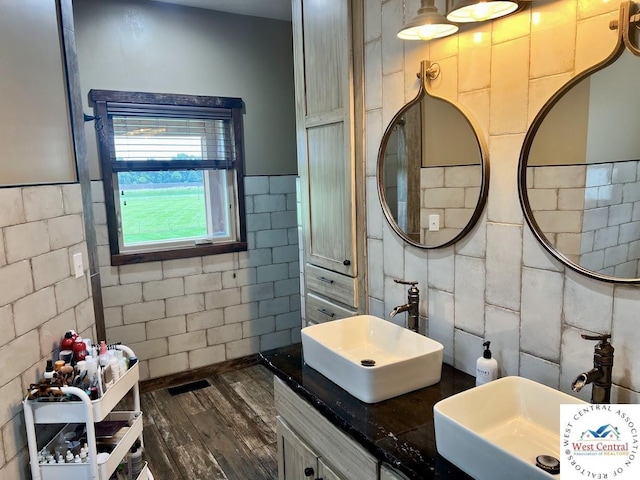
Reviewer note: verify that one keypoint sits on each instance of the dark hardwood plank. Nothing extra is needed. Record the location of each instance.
(190, 403)
(261, 409)
(268, 429)
(233, 411)
(255, 389)
(235, 376)
(195, 460)
(161, 461)
(256, 397)
(268, 456)
(222, 432)
(232, 453)
(263, 376)
(148, 406)
(172, 422)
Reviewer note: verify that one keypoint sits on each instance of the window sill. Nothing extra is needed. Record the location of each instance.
(187, 252)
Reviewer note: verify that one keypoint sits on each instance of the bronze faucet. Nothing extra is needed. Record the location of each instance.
(411, 307)
(600, 374)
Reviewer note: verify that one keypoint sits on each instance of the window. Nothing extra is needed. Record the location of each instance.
(172, 168)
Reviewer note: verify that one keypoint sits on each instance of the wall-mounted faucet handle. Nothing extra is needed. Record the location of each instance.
(405, 282)
(602, 337)
(603, 348)
(603, 352)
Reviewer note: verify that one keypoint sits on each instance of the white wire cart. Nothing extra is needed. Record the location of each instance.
(87, 411)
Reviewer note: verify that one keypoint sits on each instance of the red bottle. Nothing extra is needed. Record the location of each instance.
(68, 340)
(79, 350)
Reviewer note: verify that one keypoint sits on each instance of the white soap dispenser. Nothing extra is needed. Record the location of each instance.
(486, 366)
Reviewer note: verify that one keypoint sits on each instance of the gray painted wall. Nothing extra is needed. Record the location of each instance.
(155, 47)
(35, 133)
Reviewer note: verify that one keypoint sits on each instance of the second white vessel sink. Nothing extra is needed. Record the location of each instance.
(497, 430)
(371, 358)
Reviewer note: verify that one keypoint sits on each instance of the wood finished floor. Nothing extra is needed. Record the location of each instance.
(224, 431)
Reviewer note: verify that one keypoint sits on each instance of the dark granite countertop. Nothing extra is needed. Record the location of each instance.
(398, 431)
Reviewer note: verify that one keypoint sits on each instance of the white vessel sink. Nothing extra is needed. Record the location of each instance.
(498, 429)
(404, 360)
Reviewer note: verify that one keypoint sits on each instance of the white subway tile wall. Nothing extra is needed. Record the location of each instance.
(499, 283)
(41, 228)
(453, 197)
(590, 211)
(188, 313)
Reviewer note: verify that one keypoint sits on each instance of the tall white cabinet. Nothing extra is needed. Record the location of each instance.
(328, 112)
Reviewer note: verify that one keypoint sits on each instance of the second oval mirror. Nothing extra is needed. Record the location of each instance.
(432, 170)
(579, 177)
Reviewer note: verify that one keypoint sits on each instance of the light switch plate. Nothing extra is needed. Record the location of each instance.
(434, 223)
(78, 265)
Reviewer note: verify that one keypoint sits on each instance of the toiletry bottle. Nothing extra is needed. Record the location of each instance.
(79, 349)
(114, 365)
(134, 460)
(67, 341)
(486, 366)
(132, 360)
(122, 363)
(103, 358)
(49, 372)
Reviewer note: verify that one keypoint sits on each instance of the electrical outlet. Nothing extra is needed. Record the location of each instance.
(78, 265)
(434, 223)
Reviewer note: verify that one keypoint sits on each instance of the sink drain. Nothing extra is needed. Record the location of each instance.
(548, 463)
(367, 362)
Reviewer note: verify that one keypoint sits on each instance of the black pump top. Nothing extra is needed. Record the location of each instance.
(49, 366)
(487, 352)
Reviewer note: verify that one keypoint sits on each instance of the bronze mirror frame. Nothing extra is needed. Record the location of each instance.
(625, 21)
(430, 71)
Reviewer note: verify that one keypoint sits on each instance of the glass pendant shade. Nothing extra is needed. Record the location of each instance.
(465, 11)
(428, 24)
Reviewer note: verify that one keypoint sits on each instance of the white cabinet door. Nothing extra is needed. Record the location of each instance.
(325, 472)
(296, 460)
(325, 138)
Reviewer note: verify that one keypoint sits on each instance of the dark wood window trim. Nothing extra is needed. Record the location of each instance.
(108, 102)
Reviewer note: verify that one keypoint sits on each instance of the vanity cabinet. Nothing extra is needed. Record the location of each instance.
(297, 460)
(388, 473)
(310, 448)
(392, 440)
(308, 440)
(327, 150)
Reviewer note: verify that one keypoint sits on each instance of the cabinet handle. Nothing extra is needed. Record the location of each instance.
(326, 312)
(308, 472)
(325, 280)
(346, 263)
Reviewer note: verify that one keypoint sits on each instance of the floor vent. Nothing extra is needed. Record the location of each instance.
(188, 387)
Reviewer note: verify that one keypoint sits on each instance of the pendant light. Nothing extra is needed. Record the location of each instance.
(427, 24)
(464, 11)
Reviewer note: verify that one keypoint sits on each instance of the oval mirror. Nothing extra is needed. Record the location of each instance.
(433, 174)
(579, 173)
